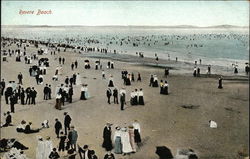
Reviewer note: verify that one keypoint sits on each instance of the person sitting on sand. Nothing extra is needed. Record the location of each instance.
(28, 129)
(8, 120)
(45, 124)
(21, 127)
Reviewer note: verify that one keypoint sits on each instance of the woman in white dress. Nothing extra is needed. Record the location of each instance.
(126, 146)
(40, 148)
(47, 148)
(78, 79)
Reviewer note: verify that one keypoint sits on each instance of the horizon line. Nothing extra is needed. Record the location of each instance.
(184, 25)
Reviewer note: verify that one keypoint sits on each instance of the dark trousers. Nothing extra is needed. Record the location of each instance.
(2, 91)
(12, 108)
(27, 100)
(46, 96)
(108, 100)
(122, 105)
(20, 81)
(116, 100)
(7, 99)
(70, 99)
(33, 100)
(57, 132)
(67, 127)
(22, 100)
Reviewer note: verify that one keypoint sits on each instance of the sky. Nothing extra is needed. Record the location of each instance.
(95, 13)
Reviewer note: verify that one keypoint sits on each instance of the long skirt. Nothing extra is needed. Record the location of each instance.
(83, 97)
(165, 90)
(58, 104)
(137, 136)
(128, 83)
(107, 144)
(118, 145)
(141, 100)
(161, 90)
(111, 84)
(155, 84)
(135, 100)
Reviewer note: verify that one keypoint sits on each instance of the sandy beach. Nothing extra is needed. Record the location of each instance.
(164, 119)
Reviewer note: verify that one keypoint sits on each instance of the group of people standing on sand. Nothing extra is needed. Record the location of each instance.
(63, 94)
(128, 78)
(15, 92)
(153, 81)
(137, 97)
(113, 93)
(126, 140)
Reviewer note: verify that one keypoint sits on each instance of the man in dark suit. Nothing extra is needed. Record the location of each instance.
(122, 100)
(46, 92)
(20, 78)
(71, 92)
(8, 93)
(67, 121)
(115, 94)
(12, 104)
(58, 127)
(28, 95)
(33, 94)
(108, 93)
(84, 152)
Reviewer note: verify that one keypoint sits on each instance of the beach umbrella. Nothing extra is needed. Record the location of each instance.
(163, 152)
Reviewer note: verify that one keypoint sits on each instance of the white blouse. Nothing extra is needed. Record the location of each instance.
(140, 93)
(137, 126)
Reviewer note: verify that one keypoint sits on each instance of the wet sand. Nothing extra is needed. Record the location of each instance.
(163, 119)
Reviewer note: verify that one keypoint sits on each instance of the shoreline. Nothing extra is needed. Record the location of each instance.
(180, 67)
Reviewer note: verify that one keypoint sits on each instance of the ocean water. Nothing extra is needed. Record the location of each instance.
(217, 46)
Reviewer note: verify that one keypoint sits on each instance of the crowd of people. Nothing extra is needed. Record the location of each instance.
(125, 140)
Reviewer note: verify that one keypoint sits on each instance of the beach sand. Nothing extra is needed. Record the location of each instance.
(164, 122)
